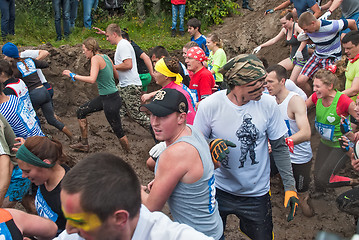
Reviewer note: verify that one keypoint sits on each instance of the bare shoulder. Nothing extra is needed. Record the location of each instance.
(181, 151)
(297, 104)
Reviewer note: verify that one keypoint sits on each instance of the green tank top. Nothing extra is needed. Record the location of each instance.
(105, 79)
(327, 122)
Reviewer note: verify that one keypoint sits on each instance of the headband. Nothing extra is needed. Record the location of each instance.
(25, 155)
(163, 69)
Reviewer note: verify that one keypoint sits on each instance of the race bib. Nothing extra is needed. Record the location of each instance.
(26, 116)
(30, 64)
(326, 131)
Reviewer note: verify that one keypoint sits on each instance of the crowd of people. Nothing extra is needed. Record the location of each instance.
(222, 130)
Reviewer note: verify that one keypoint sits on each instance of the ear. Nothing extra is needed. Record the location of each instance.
(47, 161)
(282, 81)
(182, 118)
(121, 218)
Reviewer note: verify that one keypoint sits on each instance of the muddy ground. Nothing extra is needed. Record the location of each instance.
(240, 34)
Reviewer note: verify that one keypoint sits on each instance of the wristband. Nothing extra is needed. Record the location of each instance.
(72, 75)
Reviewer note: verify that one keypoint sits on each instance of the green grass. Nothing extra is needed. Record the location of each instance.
(146, 33)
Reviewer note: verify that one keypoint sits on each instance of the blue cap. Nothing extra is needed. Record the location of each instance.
(9, 49)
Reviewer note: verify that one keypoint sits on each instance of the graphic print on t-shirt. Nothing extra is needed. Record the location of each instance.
(247, 134)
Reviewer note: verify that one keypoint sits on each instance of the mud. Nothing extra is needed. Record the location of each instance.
(240, 34)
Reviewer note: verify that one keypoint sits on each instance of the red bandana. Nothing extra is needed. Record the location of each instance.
(197, 53)
(352, 60)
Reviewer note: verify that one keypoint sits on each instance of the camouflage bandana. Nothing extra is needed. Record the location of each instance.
(243, 69)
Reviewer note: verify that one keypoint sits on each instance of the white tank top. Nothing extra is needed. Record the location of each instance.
(303, 151)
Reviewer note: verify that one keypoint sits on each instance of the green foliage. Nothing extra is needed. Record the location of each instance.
(210, 11)
(35, 23)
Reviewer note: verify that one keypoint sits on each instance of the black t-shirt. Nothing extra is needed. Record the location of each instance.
(48, 204)
(141, 66)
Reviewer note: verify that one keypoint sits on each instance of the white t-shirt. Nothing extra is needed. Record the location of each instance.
(157, 226)
(291, 86)
(34, 54)
(154, 226)
(218, 117)
(124, 51)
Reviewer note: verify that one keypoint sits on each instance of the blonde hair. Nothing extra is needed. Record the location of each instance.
(91, 44)
(215, 38)
(113, 28)
(306, 19)
(327, 77)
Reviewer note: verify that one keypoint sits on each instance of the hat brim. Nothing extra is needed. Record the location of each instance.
(156, 109)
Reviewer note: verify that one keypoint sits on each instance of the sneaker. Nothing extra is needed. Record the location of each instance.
(182, 33)
(173, 33)
(80, 147)
(248, 7)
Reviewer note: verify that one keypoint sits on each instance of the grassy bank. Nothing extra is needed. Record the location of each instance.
(153, 31)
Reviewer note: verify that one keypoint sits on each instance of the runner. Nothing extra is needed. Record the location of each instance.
(40, 97)
(184, 170)
(248, 119)
(41, 161)
(217, 59)
(123, 216)
(330, 105)
(167, 76)
(299, 52)
(325, 35)
(202, 81)
(130, 84)
(18, 112)
(294, 112)
(103, 73)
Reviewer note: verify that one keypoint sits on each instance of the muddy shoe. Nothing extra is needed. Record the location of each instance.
(80, 147)
(305, 204)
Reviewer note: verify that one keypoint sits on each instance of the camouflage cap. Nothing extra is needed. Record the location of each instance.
(243, 69)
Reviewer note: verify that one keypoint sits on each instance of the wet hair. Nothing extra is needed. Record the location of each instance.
(106, 184)
(45, 148)
(288, 14)
(195, 23)
(91, 44)
(306, 19)
(172, 64)
(190, 44)
(159, 51)
(352, 36)
(114, 28)
(215, 38)
(124, 34)
(326, 76)
(279, 70)
(5, 67)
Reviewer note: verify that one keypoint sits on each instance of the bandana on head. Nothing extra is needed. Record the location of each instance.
(25, 155)
(163, 69)
(332, 68)
(197, 53)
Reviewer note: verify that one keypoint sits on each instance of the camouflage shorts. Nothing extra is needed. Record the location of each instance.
(131, 103)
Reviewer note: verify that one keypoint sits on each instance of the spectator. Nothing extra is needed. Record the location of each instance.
(7, 8)
(62, 8)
